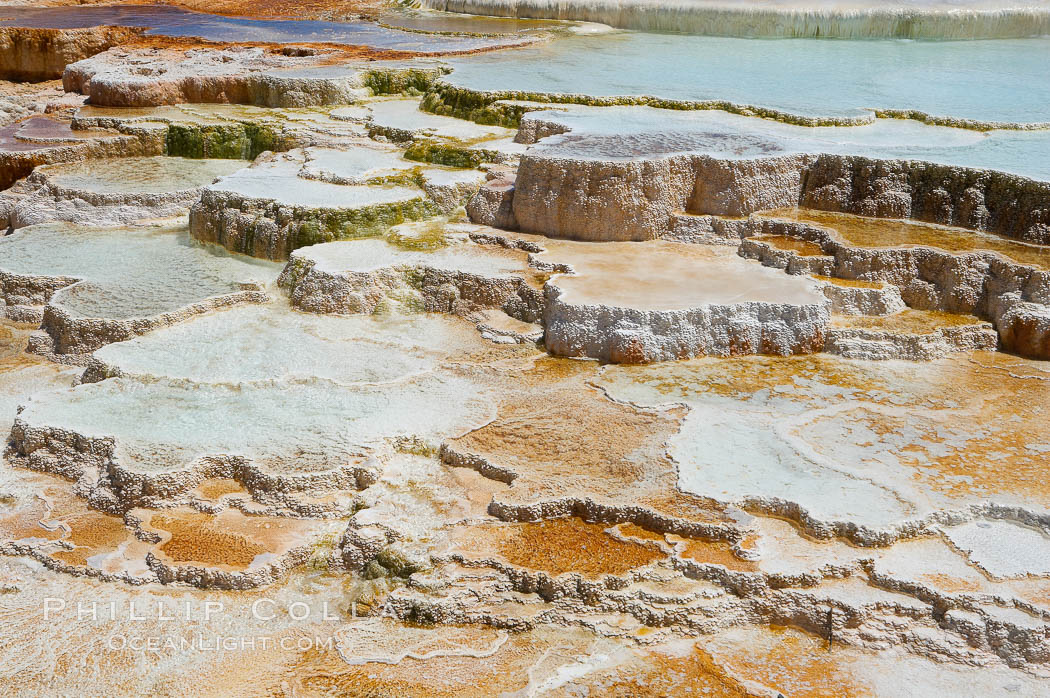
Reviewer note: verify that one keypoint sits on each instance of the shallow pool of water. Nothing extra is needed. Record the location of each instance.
(873, 443)
(627, 132)
(279, 180)
(147, 175)
(1003, 80)
(163, 20)
(881, 233)
(128, 272)
(305, 426)
(272, 342)
(369, 255)
(434, 21)
(39, 132)
(663, 276)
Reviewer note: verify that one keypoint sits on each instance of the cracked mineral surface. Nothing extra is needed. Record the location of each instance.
(345, 353)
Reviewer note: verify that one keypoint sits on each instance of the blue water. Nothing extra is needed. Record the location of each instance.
(628, 132)
(171, 21)
(1001, 80)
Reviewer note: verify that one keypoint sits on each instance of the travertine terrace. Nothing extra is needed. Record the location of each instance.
(354, 349)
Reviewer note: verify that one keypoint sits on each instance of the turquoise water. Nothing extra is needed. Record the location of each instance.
(1007, 80)
(627, 132)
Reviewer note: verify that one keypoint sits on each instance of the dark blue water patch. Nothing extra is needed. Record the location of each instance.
(163, 20)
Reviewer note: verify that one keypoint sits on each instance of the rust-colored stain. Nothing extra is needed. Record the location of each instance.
(793, 663)
(572, 441)
(863, 231)
(711, 553)
(849, 283)
(195, 537)
(804, 248)
(907, 321)
(661, 673)
(557, 546)
(92, 533)
(216, 488)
